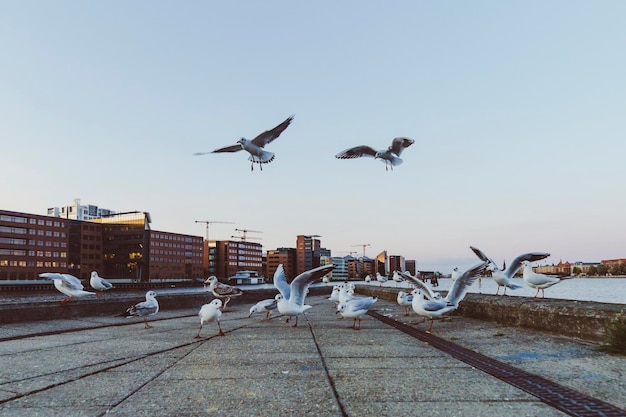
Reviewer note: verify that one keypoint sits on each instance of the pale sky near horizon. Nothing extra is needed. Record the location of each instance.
(516, 108)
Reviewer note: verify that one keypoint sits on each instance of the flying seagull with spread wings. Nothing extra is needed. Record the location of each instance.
(255, 146)
(390, 156)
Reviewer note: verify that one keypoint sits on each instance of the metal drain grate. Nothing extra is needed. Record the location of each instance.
(558, 396)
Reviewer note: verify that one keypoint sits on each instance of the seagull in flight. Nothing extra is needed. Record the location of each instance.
(291, 300)
(255, 146)
(503, 277)
(390, 156)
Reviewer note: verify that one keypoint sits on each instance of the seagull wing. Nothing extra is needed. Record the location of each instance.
(280, 282)
(361, 303)
(418, 283)
(145, 308)
(463, 282)
(398, 145)
(269, 135)
(231, 148)
(69, 281)
(484, 257)
(300, 283)
(357, 152)
(517, 262)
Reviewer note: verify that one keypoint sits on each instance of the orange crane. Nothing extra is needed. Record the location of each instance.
(364, 245)
(209, 222)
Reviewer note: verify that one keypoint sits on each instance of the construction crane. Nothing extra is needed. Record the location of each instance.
(351, 252)
(244, 232)
(364, 245)
(209, 222)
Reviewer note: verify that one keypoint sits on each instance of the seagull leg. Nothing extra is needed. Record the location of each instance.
(420, 322)
(498, 290)
(199, 330)
(296, 325)
(220, 332)
(431, 326)
(146, 325)
(535, 296)
(504, 293)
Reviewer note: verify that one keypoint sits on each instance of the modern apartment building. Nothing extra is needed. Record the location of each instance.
(397, 263)
(228, 257)
(307, 253)
(284, 256)
(118, 246)
(79, 211)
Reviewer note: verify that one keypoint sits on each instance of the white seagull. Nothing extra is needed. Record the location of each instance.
(265, 305)
(397, 278)
(503, 277)
(429, 304)
(390, 156)
(211, 312)
(99, 284)
(292, 301)
(368, 278)
(538, 281)
(356, 308)
(455, 273)
(222, 291)
(405, 300)
(144, 309)
(68, 285)
(380, 278)
(334, 294)
(255, 146)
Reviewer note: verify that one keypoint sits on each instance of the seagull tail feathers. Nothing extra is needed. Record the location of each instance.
(265, 158)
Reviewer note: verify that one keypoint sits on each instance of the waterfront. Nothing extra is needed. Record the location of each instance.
(601, 290)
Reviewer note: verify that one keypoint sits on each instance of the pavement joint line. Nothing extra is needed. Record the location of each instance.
(331, 381)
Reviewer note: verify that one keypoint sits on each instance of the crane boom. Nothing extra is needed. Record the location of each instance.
(209, 222)
(364, 245)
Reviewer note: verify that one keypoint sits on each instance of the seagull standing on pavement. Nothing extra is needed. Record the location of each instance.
(406, 301)
(211, 312)
(429, 304)
(255, 146)
(538, 281)
(356, 308)
(222, 291)
(266, 306)
(291, 302)
(390, 156)
(68, 285)
(144, 309)
(503, 277)
(99, 284)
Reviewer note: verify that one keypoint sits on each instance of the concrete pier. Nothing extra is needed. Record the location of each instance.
(96, 365)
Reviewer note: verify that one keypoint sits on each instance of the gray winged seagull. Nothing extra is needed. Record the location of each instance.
(503, 277)
(390, 156)
(255, 146)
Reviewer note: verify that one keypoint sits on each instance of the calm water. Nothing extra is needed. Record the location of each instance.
(603, 290)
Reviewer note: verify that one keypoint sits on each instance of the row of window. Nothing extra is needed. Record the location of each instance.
(24, 220)
(170, 260)
(39, 232)
(32, 264)
(39, 253)
(30, 242)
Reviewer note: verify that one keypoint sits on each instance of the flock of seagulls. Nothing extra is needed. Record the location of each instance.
(290, 301)
(258, 154)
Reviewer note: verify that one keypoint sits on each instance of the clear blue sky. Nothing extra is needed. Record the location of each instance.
(517, 110)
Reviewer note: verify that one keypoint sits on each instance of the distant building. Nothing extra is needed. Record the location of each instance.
(307, 253)
(397, 263)
(340, 273)
(117, 246)
(382, 263)
(230, 257)
(411, 266)
(284, 256)
(79, 211)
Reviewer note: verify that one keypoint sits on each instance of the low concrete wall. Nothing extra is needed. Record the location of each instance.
(116, 303)
(581, 319)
